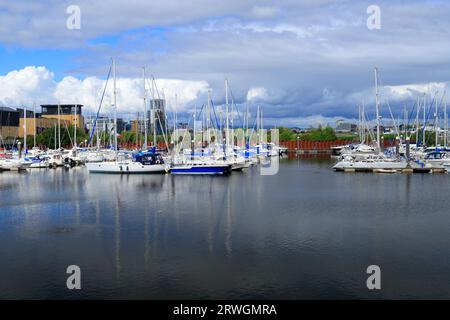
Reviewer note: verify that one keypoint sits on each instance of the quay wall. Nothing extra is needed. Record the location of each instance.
(301, 146)
(307, 146)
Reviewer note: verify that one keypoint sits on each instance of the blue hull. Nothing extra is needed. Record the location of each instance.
(201, 170)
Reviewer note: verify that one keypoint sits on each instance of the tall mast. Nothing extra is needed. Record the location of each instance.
(193, 139)
(25, 129)
(246, 125)
(261, 124)
(417, 120)
(226, 110)
(377, 106)
(208, 120)
(359, 123)
(145, 108)
(424, 118)
(445, 121)
(115, 106)
(75, 129)
(154, 111)
(35, 131)
(405, 115)
(436, 123)
(257, 126)
(59, 127)
(55, 136)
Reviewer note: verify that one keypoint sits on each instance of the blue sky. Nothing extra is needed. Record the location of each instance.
(305, 62)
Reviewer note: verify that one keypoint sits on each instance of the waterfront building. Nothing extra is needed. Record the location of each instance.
(9, 125)
(157, 116)
(66, 112)
(346, 127)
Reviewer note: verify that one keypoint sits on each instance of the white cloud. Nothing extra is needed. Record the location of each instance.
(37, 84)
(25, 86)
(257, 94)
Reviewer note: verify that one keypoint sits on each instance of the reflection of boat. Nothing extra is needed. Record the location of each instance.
(385, 170)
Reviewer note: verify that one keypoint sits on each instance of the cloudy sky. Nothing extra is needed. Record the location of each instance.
(305, 62)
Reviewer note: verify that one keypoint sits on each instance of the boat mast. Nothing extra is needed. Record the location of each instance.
(359, 123)
(55, 136)
(417, 120)
(145, 108)
(445, 121)
(59, 127)
(436, 122)
(424, 118)
(208, 118)
(75, 130)
(377, 106)
(25, 129)
(115, 106)
(35, 131)
(226, 110)
(154, 112)
(257, 126)
(405, 120)
(232, 121)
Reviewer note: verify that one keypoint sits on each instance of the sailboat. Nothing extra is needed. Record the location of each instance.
(371, 162)
(142, 162)
(204, 163)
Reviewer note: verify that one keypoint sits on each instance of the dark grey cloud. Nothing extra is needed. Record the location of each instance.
(311, 58)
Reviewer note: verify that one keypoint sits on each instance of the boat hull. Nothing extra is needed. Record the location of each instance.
(124, 167)
(200, 169)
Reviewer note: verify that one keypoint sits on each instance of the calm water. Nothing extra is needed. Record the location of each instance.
(306, 232)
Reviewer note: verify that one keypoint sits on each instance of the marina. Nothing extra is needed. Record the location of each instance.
(165, 236)
(224, 160)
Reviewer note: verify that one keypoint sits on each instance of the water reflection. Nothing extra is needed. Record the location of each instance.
(307, 232)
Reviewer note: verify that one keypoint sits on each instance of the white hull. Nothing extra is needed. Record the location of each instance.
(370, 165)
(124, 167)
(40, 165)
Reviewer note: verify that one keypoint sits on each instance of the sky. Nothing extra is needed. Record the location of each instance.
(303, 62)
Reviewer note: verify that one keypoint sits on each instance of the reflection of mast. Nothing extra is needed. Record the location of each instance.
(117, 236)
(146, 237)
(97, 212)
(228, 226)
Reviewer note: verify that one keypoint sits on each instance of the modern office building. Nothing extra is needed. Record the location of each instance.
(158, 109)
(9, 125)
(65, 112)
(105, 124)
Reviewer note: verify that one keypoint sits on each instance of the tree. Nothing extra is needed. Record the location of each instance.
(320, 134)
(47, 137)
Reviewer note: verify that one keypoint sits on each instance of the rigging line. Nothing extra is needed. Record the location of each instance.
(215, 114)
(439, 105)
(99, 107)
(233, 99)
(425, 139)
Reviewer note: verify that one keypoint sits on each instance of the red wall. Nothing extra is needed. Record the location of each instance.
(313, 145)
